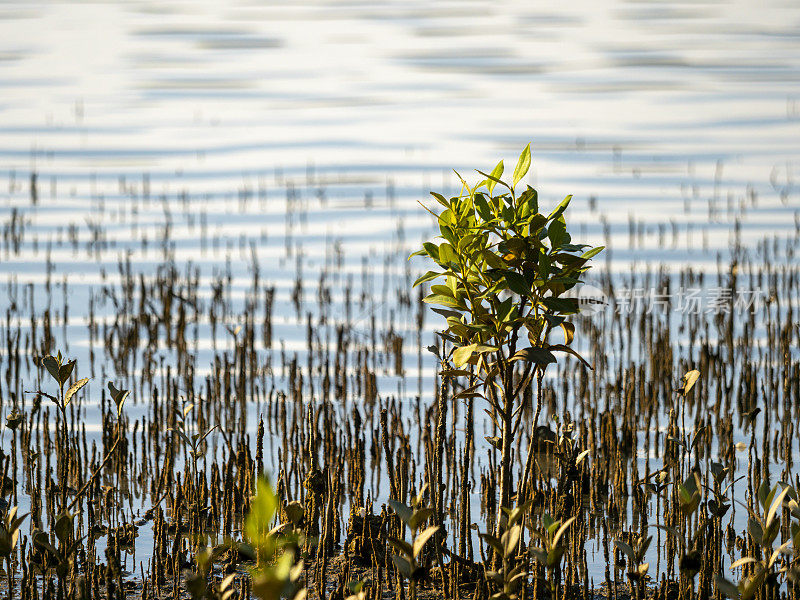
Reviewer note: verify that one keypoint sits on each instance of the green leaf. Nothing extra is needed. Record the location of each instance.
(483, 208)
(429, 276)
(447, 254)
(402, 565)
(462, 355)
(422, 538)
(419, 517)
(593, 252)
(626, 549)
(540, 556)
(536, 225)
(751, 585)
(63, 527)
(505, 310)
(561, 305)
(441, 199)
(549, 522)
(726, 588)
(446, 313)
(52, 366)
(689, 380)
(443, 300)
(262, 510)
(483, 349)
(569, 332)
(403, 511)
(510, 539)
(432, 250)
(400, 545)
(776, 504)
(515, 515)
(516, 283)
(64, 371)
(355, 586)
(545, 264)
(523, 164)
(535, 355)
(492, 541)
(496, 174)
(746, 560)
(118, 396)
(755, 530)
(529, 200)
(562, 530)
(692, 482)
(417, 500)
(557, 232)
(554, 556)
(457, 326)
(763, 494)
(73, 389)
(782, 549)
(568, 350)
(40, 539)
(442, 290)
(559, 210)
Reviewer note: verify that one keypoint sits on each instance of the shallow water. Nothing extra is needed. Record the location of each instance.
(312, 130)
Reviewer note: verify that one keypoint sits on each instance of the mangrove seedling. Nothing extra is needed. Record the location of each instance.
(277, 571)
(408, 560)
(357, 591)
(118, 396)
(719, 505)
(550, 553)
(569, 455)
(505, 269)
(508, 578)
(637, 567)
(197, 582)
(49, 560)
(763, 526)
(194, 444)
(61, 372)
(689, 496)
(9, 534)
(792, 570)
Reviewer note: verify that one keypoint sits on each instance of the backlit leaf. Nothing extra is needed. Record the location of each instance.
(462, 355)
(523, 164)
(429, 276)
(73, 389)
(422, 538)
(689, 380)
